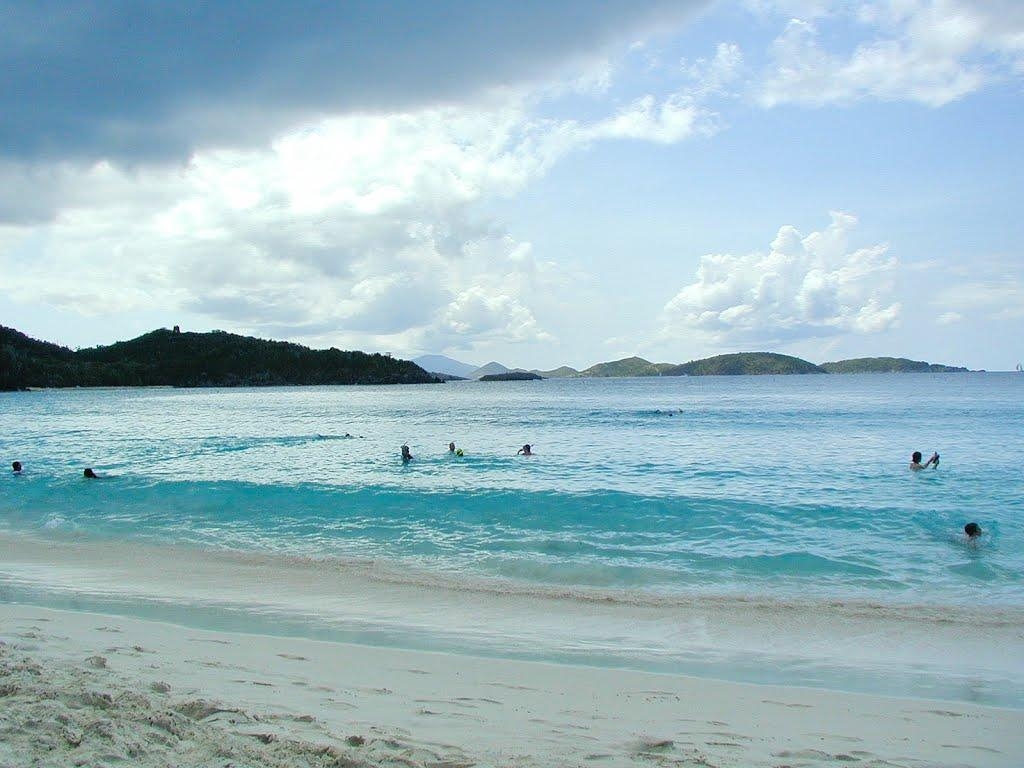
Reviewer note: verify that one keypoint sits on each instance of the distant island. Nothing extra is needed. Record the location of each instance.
(511, 376)
(744, 364)
(887, 365)
(172, 358)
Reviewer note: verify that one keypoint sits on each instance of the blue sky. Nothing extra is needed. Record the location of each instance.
(534, 183)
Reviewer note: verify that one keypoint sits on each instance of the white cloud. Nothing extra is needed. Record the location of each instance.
(996, 298)
(802, 287)
(356, 230)
(949, 318)
(928, 51)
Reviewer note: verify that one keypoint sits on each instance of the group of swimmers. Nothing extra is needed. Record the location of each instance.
(526, 450)
(971, 530)
(86, 473)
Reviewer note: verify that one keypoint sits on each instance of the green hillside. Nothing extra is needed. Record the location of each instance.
(214, 359)
(564, 372)
(744, 364)
(887, 365)
(630, 366)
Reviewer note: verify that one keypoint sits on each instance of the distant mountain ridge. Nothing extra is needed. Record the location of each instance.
(446, 365)
(735, 364)
(171, 358)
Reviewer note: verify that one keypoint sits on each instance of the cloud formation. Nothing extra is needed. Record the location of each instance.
(803, 287)
(362, 226)
(129, 80)
(928, 51)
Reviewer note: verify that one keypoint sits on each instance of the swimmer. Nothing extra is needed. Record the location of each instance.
(915, 461)
(972, 531)
(89, 474)
(16, 467)
(406, 456)
(525, 451)
(451, 447)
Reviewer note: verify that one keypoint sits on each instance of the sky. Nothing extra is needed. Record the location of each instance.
(538, 183)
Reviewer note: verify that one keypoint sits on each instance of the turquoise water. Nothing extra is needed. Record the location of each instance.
(658, 525)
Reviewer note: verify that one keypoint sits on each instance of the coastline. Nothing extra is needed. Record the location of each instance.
(83, 688)
(936, 652)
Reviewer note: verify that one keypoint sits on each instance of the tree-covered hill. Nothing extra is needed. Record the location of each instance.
(629, 366)
(562, 372)
(214, 359)
(887, 365)
(744, 364)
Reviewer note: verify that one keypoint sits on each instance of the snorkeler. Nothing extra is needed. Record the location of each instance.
(525, 451)
(915, 461)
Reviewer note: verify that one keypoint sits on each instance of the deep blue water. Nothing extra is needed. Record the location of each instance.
(649, 493)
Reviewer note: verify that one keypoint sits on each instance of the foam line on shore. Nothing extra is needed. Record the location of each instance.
(918, 651)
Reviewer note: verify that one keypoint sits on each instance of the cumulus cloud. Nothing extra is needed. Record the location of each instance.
(929, 51)
(360, 226)
(357, 224)
(804, 286)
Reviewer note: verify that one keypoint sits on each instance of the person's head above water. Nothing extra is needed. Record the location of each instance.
(916, 457)
(16, 466)
(973, 530)
(525, 450)
(451, 447)
(88, 473)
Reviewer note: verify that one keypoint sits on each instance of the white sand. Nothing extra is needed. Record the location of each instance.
(90, 690)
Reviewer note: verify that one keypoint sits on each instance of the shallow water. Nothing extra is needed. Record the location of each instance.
(663, 523)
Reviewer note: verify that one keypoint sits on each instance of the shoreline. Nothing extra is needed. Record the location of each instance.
(875, 649)
(84, 688)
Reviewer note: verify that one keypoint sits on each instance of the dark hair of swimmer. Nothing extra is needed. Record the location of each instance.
(916, 457)
(88, 473)
(972, 530)
(16, 466)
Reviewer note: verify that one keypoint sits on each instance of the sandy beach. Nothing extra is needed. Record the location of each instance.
(87, 689)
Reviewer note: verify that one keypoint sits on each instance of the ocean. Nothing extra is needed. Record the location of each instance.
(759, 529)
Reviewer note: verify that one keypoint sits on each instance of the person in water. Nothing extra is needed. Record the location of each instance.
(525, 451)
(88, 473)
(406, 456)
(915, 461)
(451, 447)
(972, 530)
(16, 467)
